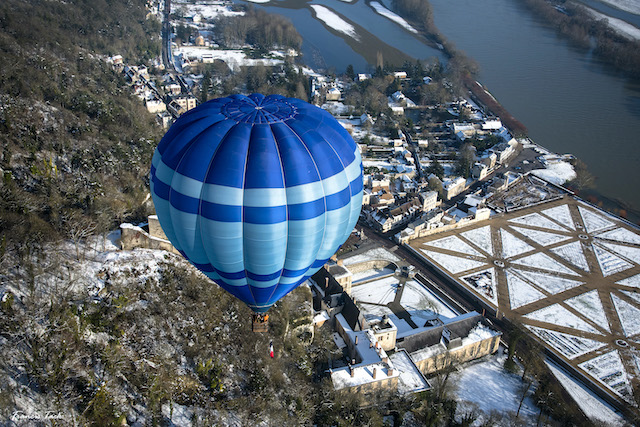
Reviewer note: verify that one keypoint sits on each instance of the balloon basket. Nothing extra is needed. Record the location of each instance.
(260, 322)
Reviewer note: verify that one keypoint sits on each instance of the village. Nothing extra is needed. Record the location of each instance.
(451, 184)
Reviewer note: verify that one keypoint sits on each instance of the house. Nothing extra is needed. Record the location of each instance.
(155, 105)
(186, 103)
(429, 200)
(400, 74)
(365, 119)
(479, 171)
(453, 187)
(427, 80)
(333, 94)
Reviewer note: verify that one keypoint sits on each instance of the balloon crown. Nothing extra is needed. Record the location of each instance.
(254, 109)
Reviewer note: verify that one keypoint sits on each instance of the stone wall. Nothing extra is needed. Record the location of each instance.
(135, 237)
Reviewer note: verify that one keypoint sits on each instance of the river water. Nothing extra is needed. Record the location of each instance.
(568, 100)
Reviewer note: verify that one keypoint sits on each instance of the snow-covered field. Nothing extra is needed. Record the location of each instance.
(233, 58)
(549, 282)
(561, 214)
(332, 20)
(593, 221)
(377, 292)
(543, 261)
(590, 306)
(631, 281)
(416, 297)
(486, 386)
(573, 253)
(392, 16)
(629, 316)
(621, 235)
(610, 263)
(609, 370)
(484, 283)
(452, 263)
(558, 315)
(520, 292)
(454, 243)
(557, 173)
(570, 346)
(512, 246)
(536, 220)
(618, 25)
(208, 11)
(480, 237)
(631, 6)
(542, 237)
(373, 254)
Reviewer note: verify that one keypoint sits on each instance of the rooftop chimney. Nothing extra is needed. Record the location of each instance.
(352, 371)
(375, 370)
(390, 372)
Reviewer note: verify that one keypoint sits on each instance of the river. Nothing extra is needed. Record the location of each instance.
(568, 100)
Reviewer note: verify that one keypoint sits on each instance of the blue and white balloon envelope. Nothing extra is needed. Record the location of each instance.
(257, 192)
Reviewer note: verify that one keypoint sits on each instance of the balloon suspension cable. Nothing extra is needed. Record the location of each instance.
(260, 322)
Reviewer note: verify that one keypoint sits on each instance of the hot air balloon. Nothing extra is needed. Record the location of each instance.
(257, 192)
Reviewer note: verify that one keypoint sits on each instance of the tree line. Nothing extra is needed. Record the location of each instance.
(575, 22)
(258, 28)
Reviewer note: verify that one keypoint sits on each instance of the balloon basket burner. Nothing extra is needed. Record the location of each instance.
(260, 322)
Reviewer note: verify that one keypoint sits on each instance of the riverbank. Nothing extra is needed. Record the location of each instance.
(608, 201)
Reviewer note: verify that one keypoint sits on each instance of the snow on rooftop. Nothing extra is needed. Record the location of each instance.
(342, 378)
(410, 379)
(478, 333)
(334, 21)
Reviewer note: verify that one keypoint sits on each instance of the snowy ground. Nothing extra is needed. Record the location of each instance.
(557, 173)
(452, 263)
(454, 243)
(377, 292)
(573, 253)
(373, 254)
(392, 16)
(592, 221)
(592, 406)
(332, 20)
(629, 316)
(208, 11)
(590, 305)
(480, 237)
(561, 214)
(558, 315)
(608, 369)
(370, 274)
(233, 58)
(618, 25)
(631, 6)
(542, 237)
(520, 292)
(512, 246)
(416, 297)
(537, 220)
(543, 261)
(487, 387)
(549, 282)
